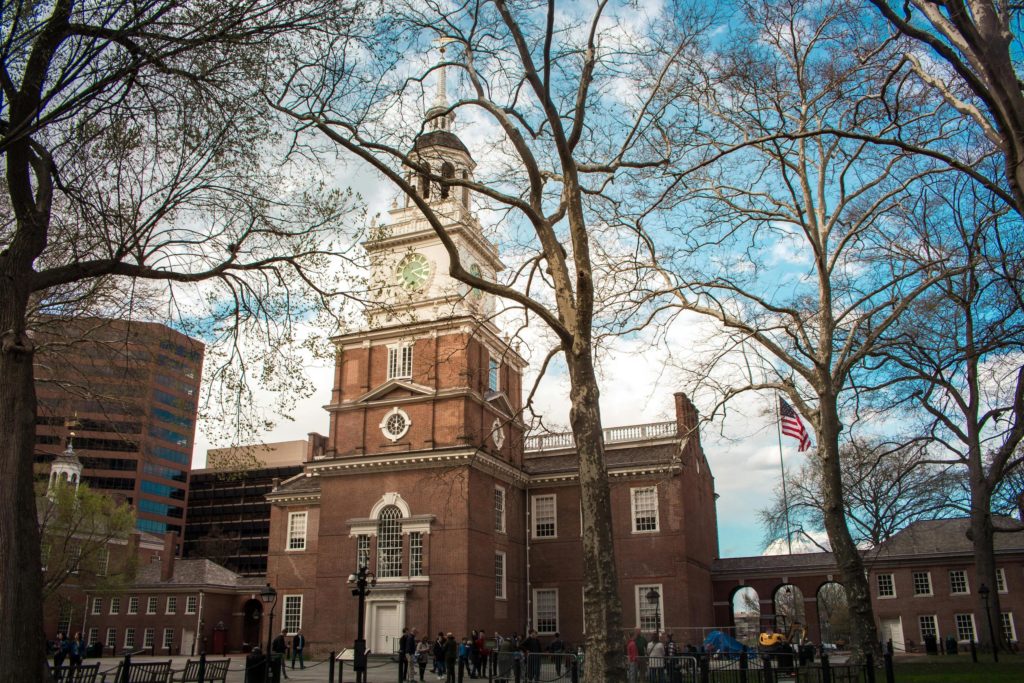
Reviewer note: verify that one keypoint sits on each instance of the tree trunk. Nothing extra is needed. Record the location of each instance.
(21, 616)
(602, 607)
(851, 566)
(982, 536)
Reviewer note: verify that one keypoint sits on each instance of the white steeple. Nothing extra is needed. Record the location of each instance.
(66, 468)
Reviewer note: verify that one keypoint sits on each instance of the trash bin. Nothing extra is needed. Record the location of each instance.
(931, 645)
(94, 650)
(951, 645)
(256, 667)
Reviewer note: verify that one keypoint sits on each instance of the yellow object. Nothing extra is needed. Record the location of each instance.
(770, 639)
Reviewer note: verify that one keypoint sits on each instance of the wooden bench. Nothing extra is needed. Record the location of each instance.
(216, 670)
(85, 673)
(142, 672)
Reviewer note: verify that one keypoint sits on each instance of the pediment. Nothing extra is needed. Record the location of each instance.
(500, 401)
(395, 388)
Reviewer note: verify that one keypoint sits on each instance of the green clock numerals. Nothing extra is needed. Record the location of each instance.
(413, 271)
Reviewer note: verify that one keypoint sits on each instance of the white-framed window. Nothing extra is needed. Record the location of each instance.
(415, 553)
(929, 625)
(499, 575)
(115, 605)
(493, 373)
(129, 638)
(1000, 580)
(97, 605)
(1006, 623)
(111, 638)
(75, 553)
(544, 516)
(103, 566)
(395, 424)
(389, 542)
(292, 613)
(191, 603)
(644, 504)
(151, 605)
(149, 637)
(93, 637)
(886, 586)
(168, 638)
(499, 509)
(922, 583)
(362, 550)
(400, 361)
(296, 531)
(958, 582)
(545, 610)
(172, 604)
(133, 605)
(64, 619)
(648, 612)
(964, 626)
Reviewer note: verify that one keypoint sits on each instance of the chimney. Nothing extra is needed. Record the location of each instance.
(686, 415)
(167, 559)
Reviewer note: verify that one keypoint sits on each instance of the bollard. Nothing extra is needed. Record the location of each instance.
(705, 666)
(826, 670)
(769, 670)
(744, 666)
(890, 675)
(202, 668)
(126, 668)
(462, 668)
(330, 667)
(869, 664)
(974, 652)
(574, 666)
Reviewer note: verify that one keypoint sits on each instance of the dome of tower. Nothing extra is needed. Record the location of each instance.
(440, 138)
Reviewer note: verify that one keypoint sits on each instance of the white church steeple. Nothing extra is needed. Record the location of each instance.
(66, 468)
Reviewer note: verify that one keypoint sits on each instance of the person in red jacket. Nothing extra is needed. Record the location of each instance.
(632, 653)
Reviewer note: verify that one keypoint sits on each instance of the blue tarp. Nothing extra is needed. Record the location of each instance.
(724, 643)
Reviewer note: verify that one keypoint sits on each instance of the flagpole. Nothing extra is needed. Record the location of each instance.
(782, 466)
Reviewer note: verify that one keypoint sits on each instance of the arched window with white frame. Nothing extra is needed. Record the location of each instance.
(389, 542)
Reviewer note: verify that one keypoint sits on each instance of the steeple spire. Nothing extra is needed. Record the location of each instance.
(438, 117)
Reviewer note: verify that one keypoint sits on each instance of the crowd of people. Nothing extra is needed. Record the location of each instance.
(475, 653)
(70, 650)
(655, 660)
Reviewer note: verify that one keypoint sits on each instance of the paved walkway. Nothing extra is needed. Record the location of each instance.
(380, 671)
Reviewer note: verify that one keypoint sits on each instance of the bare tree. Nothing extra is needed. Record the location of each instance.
(577, 114)
(886, 487)
(953, 366)
(136, 167)
(789, 250)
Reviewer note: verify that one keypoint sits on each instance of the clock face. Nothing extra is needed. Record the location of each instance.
(413, 271)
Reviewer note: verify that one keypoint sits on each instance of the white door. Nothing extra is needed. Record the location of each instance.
(386, 628)
(892, 629)
(188, 642)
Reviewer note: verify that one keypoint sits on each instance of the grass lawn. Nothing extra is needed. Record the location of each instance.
(1010, 669)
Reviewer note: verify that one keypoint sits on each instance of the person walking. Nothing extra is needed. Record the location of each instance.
(556, 647)
(451, 656)
(439, 655)
(656, 660)
(422, 655)
(60, 652)
(298, 645)
(409, 655)
(632, 658)
(278, 650)
(75, 652)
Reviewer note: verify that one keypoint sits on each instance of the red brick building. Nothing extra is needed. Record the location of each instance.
(426, 477)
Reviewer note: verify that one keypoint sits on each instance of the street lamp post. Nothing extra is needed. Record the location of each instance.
(983, 591)
(652, 597)
(362, 581)
(269, 596)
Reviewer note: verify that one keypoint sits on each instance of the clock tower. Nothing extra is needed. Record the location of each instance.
(432, 370)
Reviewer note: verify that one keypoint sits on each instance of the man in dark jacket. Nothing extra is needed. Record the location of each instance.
(278, 649)
(451, 656)
(298, 645)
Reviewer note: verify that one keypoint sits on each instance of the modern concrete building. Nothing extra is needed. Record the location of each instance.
(128, 391)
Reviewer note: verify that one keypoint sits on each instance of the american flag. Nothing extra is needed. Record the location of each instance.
(793, 426)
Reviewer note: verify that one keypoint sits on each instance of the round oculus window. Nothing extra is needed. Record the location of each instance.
(395, 424)
(413, 271)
